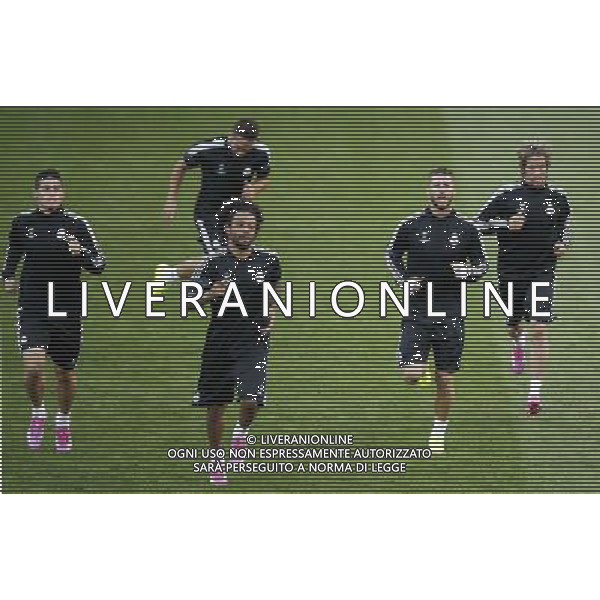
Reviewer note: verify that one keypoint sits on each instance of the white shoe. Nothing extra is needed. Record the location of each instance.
(166, 273)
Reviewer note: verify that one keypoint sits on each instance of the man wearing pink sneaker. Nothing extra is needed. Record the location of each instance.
(529, 220)
(55, 246)
(234, 359)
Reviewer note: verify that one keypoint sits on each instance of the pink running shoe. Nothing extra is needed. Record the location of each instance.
(518, 359)
(64, 443)
(238, 442)
(534, 406)
(35, 433)
(219, 477)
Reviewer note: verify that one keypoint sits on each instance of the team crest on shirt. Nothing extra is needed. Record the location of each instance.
(31, 233)
(247, 172)
(454, 240)
(523, 205)
(61, 234)
(221, 169)
(550, 210)
(257, 275)
(424, 236)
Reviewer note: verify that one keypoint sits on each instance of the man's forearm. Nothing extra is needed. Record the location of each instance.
(177, 176)
(491, 226)
(11, 264)
(254, 188)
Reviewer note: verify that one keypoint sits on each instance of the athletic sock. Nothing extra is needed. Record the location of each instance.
(221, 463)
(535, 388)
(63, 420)
(239, 430)
(39, 412)
(439, 426)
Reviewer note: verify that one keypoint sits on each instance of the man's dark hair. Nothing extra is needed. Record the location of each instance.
(46, 174)
(230, 209)
(247, 128)
(530, 150)
(441, 171)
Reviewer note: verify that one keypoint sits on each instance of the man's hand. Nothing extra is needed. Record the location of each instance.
(74, 245)
(253, 188)
(516, 223)
(11, 286)
(559, 248)
(414, 285)
(265, 330)
(461, 270)
(218, 289)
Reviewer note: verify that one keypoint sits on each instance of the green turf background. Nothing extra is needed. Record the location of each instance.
(342, 178)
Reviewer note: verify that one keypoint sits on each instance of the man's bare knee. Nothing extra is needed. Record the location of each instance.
(444, 377)
(215, 411)
(412, 373)
(66, 375)
(34, 360)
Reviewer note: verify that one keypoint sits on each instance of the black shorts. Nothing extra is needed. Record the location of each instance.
(522, 294)
(210, 234)
(60, 337)
(232, 368)
(444, 336)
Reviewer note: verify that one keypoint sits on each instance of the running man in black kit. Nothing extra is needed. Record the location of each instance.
(440, 248)
(56, 245)
(530, 221)
(233, 166)
(235, 353)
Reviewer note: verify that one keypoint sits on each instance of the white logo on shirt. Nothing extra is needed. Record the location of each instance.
(257, 274)
(221, 169)
(424, 236)
(454, 240)
(247, 172)
(523, 205)
(550, 210)
(61, 234)
(31, 233)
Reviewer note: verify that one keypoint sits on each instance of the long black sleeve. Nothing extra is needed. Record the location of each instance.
(207, 275)
(14, 251)
(93, 260)
(563, 222)
(478, 262)
(396, 251)
(494, 216)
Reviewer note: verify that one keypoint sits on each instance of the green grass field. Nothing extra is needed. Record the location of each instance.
(342, 178)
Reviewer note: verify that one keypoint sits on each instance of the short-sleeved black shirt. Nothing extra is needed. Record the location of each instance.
(223, 172)
(249, 275)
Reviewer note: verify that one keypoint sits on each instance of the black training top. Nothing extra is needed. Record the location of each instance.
(249, 275)
(224, 173)
(42, 239)
(424, 247)
(524, 253)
